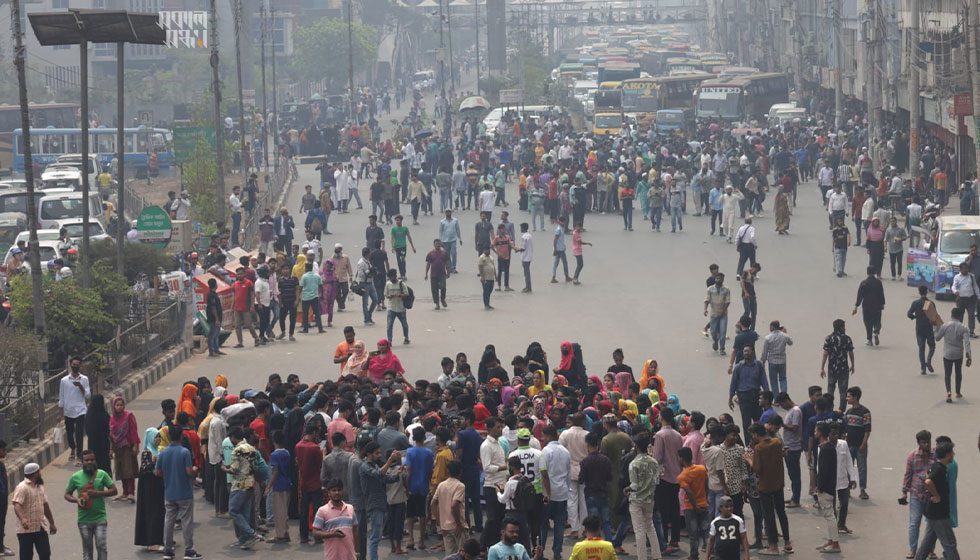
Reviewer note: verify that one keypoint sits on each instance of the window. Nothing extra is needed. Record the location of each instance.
(59, 4)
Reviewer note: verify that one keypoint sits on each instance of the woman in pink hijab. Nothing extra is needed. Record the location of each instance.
(125, 439)
(381, 361)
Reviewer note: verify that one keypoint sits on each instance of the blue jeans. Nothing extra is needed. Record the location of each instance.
(861, 458)
(777, 379)
(537, 211)
(487, 290)
(369, 294)
(445, 199)
(923, 341)
(676, 219)
(840, 259)
(401, 316)
(376, 517)
(559, 258)
(558, 513)
(713, 498)
(656, 214)
(916, 509)
(599, 505)
(718, 326)
(793, 470)
(214, 337)
(94, 534)
(240, 510)
(451, 247)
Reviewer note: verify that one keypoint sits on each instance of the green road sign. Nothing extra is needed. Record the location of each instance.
(154, 227)
(187, 139)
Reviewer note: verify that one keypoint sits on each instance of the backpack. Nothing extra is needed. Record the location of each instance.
(408, 297)
(316, 226)
(524, 499)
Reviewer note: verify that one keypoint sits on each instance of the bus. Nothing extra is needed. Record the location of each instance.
(682, 66)
(59, 115)
(677, 92)
(640, 97)
(571, 70)
(608, 109)
(740, 98)
(712, 60)
(49, 143)
(618, 71)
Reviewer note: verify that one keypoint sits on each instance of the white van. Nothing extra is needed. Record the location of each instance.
(61, 177)
(55, 209)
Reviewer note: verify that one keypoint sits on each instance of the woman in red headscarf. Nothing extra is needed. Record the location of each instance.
(188, 400)
(381, 361)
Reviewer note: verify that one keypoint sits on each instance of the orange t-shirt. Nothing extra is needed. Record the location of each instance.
(342, 350)
(695, 478)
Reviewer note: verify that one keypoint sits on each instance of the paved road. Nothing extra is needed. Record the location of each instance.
(641, 291)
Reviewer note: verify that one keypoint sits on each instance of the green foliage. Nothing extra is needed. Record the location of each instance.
(199, 174)
(320, 50)
(137, 258)
(20, 351)
(77, 318)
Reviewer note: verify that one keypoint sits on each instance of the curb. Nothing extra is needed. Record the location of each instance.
(47, 449)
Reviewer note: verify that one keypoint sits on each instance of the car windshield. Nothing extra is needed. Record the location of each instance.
(47, 253)
(60, 184)
(61, 209)
(958, 242)
(14, 202)
(75, 230)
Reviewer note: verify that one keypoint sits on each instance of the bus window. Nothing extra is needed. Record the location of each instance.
(74, 144)
(106, 144)
(130, 142)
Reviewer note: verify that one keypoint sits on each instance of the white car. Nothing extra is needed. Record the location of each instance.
(47, 248)
(57, 176)
(96, 231)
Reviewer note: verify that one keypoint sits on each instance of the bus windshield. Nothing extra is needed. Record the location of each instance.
(640, 97)
(719, 102)
(608, 121)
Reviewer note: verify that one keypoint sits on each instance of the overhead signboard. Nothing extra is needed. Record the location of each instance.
(511, 96)
(187, 139)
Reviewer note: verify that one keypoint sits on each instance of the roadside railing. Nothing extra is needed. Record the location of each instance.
(268, 198)
(134, 203)
(33, 412)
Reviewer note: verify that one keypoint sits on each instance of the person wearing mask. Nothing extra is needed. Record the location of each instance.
(74, 392)
(871, 300)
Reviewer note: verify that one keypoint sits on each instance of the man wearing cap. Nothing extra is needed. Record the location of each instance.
(530, 459)
(181, 207)
(34, 519)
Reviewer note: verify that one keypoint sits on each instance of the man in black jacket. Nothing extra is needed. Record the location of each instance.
(215, 314)
(871, 300)
(283, 228)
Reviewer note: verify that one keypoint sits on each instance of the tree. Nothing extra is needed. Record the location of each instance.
(138, 258)
(320, 50)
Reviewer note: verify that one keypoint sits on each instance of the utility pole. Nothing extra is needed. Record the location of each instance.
(973, 26)
(120, 156)
(449, 31)
(350, 54)
(275, 92)
(265, 111)
(442, 54)
(476, 24)
(874, 83)
(33, 250)
(913, 48)
(219, 140)
(838, 70)
(237, 6)
(796, 30)
(86, 256)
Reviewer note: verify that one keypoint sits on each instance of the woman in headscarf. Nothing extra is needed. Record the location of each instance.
(188, 400)
(207, 475)
(97, 430)
(565, 363)
(609, 382)
(328, 290)
(876, 245)
(537, 359)
(358, 357)
(593, 391)
(381, 361)
(489, 355)
(125, 439)
(299, 269)
(205, 396)
(674, 403)
(221, 381)
(539, 384)
(651, 369)
(781, 208)
(149, 496)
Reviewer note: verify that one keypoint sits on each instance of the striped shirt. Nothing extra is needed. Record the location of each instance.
(332, 518)
(31, 498)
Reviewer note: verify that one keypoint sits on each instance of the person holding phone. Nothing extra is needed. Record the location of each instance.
(73, 394)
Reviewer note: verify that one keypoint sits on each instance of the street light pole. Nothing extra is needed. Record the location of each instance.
(85, 257)
(350, 54)
(241, 102)
(33, 251)
(265, 114)
(275, 92)
(442, 54)
(449, 31)
(120, 155)
(219, 137)
(476, 24)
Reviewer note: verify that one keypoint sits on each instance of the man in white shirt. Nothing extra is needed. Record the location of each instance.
(836, 204)
(847, 477)
(527, 254)
(263, 302)
(730, 202)
(745, 244)
(235, 204)
(488, 197)
(554, 465)
(182, 206)
(966, 290)
(825, 177)
(573, 439)
(495, 470)
(73, 394)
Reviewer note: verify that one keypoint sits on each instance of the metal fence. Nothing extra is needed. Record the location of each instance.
(269, 198)
(33, 413)
(134, 202)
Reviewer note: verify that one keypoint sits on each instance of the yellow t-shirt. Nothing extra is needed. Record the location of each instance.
(593, 549)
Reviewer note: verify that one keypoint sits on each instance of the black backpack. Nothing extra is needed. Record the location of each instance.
(523, 499)
(408, 296)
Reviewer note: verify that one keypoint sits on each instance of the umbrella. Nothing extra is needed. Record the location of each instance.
(474, 103)
(423, 133)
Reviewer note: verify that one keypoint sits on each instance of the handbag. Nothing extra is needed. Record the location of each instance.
(358, 288)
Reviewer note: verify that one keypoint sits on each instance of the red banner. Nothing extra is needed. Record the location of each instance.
(963, 104)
